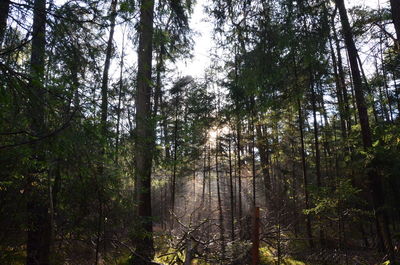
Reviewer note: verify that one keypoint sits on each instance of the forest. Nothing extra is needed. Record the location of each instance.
(284, 151)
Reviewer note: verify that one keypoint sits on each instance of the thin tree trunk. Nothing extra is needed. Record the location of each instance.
(375, 180)
(104, 128)
(263, 152)
(367, 88)
(220, 213)
(174, 169)
(338, 92)
(239, 167)
(317, 151)
(353, 97)
(144, 134)
(232, 204)
(253, 159)
(159, 70)
(384, 75)
(294, 192)
(120, 88)
(305, 178)
(203, 193)
(104, 82)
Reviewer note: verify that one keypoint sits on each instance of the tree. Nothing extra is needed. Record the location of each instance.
(144, 135)
(39, 228)
(4, 9)
(395, 8)
(374, 178)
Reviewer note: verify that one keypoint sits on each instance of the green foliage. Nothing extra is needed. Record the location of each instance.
(268, 258)
(334, 202)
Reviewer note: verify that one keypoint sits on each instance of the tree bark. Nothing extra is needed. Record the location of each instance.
(144, 134)
(375, 179)
(104, 81)
(39, 220)
(317, 151)
(395, 8)
(339, 93)
(4, 9)
(239, 175)
(253, 158)
(220, 213)
(305, 177)
(120, 88)
(232, 203)
(263, 153)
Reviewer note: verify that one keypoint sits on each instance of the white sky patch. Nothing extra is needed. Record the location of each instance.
(203, 44)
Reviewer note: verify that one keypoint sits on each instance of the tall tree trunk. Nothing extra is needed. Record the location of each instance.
(220, 213)
(232, 203)
(294, 190)
(4, 9)
(104, 81)
(39, 220)
(375, 180)
(367, 88)
(339, 92)
(342, 83)
(384, 75)
(144, 135)
(104, 129)
(305, 177)
(353, 97)
(263, 152)
(120, 88)
(239, 175)
(209, 178)
(203, 192)
(395, 8)
(174, 166)
(159, 70)
(253, 158)
(317, 150)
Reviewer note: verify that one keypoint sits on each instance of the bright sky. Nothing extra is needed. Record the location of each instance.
(202, 43)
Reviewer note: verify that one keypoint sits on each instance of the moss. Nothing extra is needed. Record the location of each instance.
(174, 257)
(267, 258)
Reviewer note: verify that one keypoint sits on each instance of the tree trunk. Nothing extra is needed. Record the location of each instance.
(104, 129)
(232, 204)
(4, 9)
(39, 220)
(339, 93)
(395, 8)
(159, 70)
(239, 175)
(317, 151)
(375, 180)
(220, 213)
(175, 158)
(253, 159)
(144, 135)
(120, 88)
(305, 178)
(104, 81)
(263, 152)
(203, 192)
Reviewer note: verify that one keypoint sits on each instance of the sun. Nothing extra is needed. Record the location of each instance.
(215, 132)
